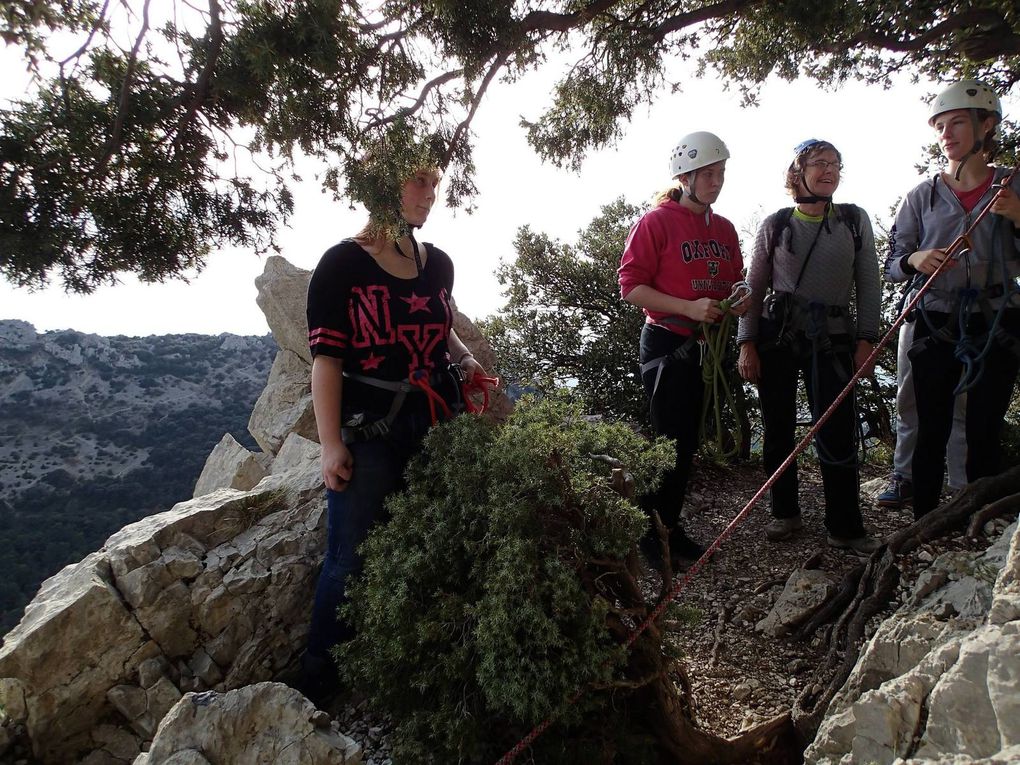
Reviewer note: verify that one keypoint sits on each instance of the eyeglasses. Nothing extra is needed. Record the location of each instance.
(824, 164)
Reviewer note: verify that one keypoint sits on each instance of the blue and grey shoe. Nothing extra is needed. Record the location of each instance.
(898, 493)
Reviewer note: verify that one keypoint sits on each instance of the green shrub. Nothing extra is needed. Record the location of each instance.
(486, 600)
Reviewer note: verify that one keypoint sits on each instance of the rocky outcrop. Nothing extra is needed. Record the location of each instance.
(938, 681)
(231, 466)
(282, 292)
(121, 653)
(213, 594)
(285, 405)
(281, 726)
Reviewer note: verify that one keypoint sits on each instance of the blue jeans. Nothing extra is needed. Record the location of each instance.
(378, 471)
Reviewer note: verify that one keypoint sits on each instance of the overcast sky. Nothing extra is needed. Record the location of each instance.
(881, 134)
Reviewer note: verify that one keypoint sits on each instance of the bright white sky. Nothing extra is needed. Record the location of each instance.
(881, 134)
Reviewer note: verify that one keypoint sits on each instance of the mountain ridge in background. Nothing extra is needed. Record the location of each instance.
(97, 432)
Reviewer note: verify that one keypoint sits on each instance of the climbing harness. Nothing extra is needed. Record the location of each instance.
(972, 348)
(359, 428)
(691, 572)
(803, 325)
(707, 345)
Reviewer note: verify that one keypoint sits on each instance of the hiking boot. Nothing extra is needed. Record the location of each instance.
(783, 528)
(865, 545)
(682, 546)
(897, 494)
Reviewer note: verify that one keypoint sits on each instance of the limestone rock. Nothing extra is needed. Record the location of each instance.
(230, 466)
(300, 456)
(267, 722)
(55, 671)
(282, 292)
(1006, 594)
(1007, 755)
(874, 487)
(880, 724)
(285, 405)
(116, 744)
(975, 707)
(805, 592)
(940, 691)
(215, 592)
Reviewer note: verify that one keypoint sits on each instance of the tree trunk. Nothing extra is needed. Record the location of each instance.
(665, 705)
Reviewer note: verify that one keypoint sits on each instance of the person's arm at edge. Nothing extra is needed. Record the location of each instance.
(327, 389)
(748, 362)
(461, 354)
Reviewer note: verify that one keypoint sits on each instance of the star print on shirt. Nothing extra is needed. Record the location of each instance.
(417, 303)
(372, 362)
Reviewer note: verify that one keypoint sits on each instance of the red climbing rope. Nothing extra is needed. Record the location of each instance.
(420, 378)
(478, 384)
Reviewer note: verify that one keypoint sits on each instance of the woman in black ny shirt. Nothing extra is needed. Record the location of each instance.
(382, 343)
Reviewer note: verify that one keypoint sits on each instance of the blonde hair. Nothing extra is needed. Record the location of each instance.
(375, 230)
(673, 192)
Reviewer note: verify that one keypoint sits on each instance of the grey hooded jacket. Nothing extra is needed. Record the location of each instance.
(931, 217)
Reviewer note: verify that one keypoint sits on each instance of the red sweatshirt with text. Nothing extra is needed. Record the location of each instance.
(681, 253)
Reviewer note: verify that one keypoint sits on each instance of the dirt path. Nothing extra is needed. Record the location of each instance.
(741, 676)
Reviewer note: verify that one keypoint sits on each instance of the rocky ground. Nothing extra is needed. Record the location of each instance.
(740, 675)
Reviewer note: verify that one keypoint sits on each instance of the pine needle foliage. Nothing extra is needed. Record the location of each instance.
(477, 614)
(155, 133)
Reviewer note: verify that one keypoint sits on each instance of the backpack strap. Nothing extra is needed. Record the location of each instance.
(780, 222)
(850, 216)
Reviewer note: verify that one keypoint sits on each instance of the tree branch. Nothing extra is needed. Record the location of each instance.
(547, 21)
(215, 45)
(431, 85)
(458, 134)
(684, 20)
(872, 37)
(88, 40)
(125, 92)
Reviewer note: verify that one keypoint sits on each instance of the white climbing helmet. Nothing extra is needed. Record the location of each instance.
(696, 150)
(965, 94)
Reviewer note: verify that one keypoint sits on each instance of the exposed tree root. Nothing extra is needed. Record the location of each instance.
(870, 587)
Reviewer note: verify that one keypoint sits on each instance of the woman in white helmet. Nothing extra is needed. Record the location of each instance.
(681, 259)
(967, 324)
(814, 313)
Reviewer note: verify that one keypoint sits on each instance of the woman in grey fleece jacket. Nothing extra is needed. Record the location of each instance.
(971, 294)
(813, 272)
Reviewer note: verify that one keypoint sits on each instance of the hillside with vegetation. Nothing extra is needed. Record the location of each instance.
(97, 432)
